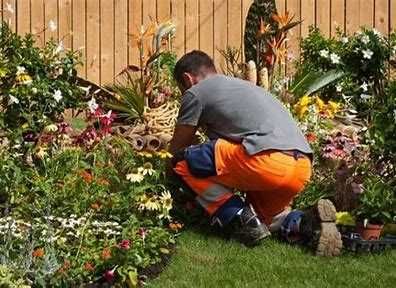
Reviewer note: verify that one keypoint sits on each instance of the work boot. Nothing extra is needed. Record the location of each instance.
(247, 228)
(319, 229)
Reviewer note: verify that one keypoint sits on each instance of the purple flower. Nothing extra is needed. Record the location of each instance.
(109, 275)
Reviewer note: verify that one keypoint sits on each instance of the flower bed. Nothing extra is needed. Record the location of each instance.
(79, 204)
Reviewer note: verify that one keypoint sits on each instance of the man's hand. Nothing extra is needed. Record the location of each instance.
(182, 138)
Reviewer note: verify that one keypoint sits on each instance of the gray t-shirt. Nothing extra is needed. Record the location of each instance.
(241, 112)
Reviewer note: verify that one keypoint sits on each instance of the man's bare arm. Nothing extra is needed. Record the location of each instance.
(182, 137)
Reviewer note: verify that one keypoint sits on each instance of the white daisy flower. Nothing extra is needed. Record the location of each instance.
(335, 59)
(52, 26)
(20, 70)
(364, 87)
(365, 97)
(147, 169)
(135, 177)
(367, 54)
(34, 90)
(58, 95)
(365, 39)
(92, 105)
(344, 40)
(13, 100)
(324, 53)
(339, 88)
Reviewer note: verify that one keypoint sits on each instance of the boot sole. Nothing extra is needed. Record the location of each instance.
(330, 242)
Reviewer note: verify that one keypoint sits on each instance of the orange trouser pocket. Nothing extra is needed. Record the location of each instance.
(270, 179)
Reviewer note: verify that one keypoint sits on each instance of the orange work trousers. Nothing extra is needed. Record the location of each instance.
(270, 179)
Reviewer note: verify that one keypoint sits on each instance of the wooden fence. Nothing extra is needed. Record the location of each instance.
(101, 29)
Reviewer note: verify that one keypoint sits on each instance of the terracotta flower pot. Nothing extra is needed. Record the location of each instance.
(370, 231)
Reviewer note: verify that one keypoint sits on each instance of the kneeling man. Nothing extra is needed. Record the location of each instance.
(254, 147)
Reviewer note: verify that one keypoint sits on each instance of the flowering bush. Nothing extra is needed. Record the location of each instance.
(36, 84)
(363, 56)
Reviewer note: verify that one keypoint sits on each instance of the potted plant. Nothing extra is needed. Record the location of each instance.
(376, 207)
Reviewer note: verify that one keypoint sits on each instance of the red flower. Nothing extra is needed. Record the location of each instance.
(125, 244)
(311, 137)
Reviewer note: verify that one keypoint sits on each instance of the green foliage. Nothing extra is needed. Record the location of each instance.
(377, 203)
(383, 129)
(312, 82)
(36, 84)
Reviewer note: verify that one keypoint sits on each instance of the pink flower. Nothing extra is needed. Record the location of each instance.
(142, 232)
(63, 128)
(109, 275)
(125, 244)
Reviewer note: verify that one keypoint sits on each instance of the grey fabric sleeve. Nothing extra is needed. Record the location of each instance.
(190, 110)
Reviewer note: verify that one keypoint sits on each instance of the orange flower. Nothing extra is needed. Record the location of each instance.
(263, 28)
(38, 253)
(106, 253)
(86, 176)
(175, 226)
(66, 266)
(88, 266)
(95, 206)
(283, 20)
(311, 137)
(103, 181)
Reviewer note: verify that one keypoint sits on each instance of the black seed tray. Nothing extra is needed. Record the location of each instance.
(353, 242)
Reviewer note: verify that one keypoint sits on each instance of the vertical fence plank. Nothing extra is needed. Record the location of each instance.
(366, 13)
(149, 12)
(293, 45)
(337, 16)
(23, 17)
(323, 16)
(134, 29)
(121, 35)
(220, 29)
(163, 10)
(281, 6)
(178, 17)
(393, 15)
(382, 16)
(307, 16)
(65, 22)
(206, 26)
(234, 24)
(51, 19)
(38, 24)
(106, 41)
(9, 13)
(93, 43)
(79, 34)
(191, 25)
(352, 16)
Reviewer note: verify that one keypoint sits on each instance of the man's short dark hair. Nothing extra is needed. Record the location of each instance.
(195, 62)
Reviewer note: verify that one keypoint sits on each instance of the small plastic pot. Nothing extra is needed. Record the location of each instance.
(370, 231)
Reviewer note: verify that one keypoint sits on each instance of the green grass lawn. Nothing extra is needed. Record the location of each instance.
(207, 261)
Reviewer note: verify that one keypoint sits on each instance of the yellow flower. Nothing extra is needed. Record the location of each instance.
(50, 128)
(135, 177)
(345, 218)
(334, 106)
(320, 105)
(163, 154)
(302, 106)
(41, 152)
(145, 154)
(22, 77)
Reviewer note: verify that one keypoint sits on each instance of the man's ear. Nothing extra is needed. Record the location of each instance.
(188, 80)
